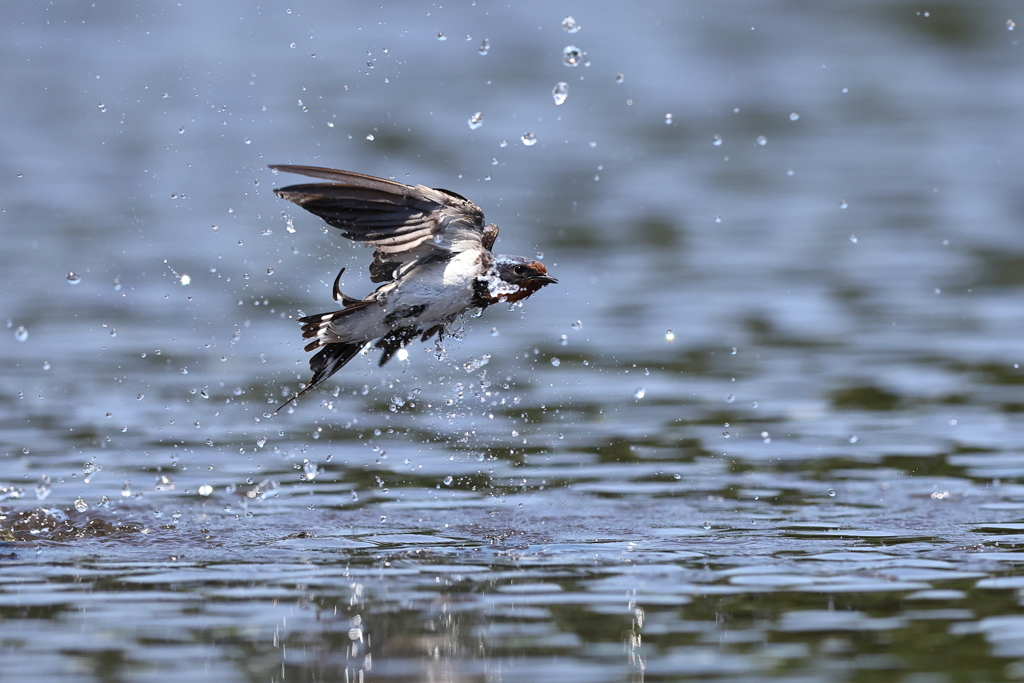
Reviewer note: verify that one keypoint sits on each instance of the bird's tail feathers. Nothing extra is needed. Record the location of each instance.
(332, 357)
(317, 327)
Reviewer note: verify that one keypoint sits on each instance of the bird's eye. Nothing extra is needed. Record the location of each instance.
(519, 270)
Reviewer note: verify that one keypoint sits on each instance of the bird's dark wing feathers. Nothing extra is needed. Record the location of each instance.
(406, 224)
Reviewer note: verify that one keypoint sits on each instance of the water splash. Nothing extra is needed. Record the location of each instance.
(570, 25)
(560, 93)
(573, 56)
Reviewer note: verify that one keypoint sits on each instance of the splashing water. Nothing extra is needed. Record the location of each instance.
(560, 93)
(572, 56)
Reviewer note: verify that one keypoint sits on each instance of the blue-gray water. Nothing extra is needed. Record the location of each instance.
(782, 438)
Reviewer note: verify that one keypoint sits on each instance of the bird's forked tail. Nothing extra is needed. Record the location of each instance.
(330, 359)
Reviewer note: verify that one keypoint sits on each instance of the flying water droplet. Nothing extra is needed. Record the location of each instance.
(707, 525)
(1010, 24)
(572, 56)
(619, 78)
(570, 25)
(794, 117)
(762, 140)
(729, 398)
(476, 120)
(81, 505)
(21, 334)
(74, 278)
(853, 438)
(89, 469)
(448, 480)
(442, 37)
(205, 490)
(310, 470)
(578, 325)
(639, 393)
(831, 493)
(853, 238)
(670, 336)
(485, 46)
(843, 204)
(369, 136)
(717, 141)
(560, 93)
(555, 362)
(529, 139)
(668, 119)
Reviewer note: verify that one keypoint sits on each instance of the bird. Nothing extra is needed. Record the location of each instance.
(432, 254)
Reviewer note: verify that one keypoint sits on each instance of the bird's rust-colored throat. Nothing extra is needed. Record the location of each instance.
(530, 286)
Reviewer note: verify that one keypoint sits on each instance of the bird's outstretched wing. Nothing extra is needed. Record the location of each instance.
(407, 224)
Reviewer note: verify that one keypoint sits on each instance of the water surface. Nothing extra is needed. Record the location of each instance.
(767, 425)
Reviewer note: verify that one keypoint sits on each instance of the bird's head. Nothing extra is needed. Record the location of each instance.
(519, 278)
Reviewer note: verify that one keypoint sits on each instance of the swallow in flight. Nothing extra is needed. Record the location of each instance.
(433, 254)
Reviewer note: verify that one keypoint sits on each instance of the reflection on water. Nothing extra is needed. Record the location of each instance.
(766, 425)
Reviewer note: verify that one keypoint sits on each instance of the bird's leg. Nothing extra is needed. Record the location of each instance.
(440, 351)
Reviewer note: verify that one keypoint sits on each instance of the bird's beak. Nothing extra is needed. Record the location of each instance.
(544, 280)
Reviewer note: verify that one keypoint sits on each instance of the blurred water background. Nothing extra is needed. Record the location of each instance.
(767, 425)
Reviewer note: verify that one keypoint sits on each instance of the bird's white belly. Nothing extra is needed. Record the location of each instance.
(445, 288)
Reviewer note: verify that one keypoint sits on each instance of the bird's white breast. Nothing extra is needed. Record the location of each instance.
(446, 288)
(461, 270)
